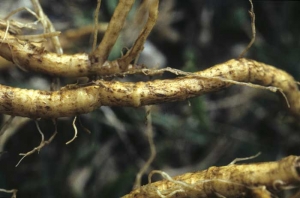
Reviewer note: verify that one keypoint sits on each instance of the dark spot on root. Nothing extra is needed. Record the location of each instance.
(29, 55)
(160, 95)
(40, 60)
(26, 63)
(47, 93)
(31, 47)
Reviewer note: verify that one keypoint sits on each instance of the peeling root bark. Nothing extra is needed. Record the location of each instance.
(232, 181)
(79, 99)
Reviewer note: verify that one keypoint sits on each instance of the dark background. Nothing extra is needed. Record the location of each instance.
(209, 130)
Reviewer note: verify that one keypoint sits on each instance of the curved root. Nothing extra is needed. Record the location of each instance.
(245, 180)
(79, 99)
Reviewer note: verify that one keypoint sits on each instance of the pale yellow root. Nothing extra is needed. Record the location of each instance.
(99, 56)
(72, 101)
(246, 180)
(96, 15)
(35, 58)
(139, 43)
(47, 24)
(75, 131)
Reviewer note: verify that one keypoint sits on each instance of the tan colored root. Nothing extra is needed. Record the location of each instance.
(139, 43)
(47, 24)
(153, 72)
(79, 99)
(149, 133)
(42, 144)
(96, 15)
(35, 58)
(252, 15)
(99, 56)
(48, 28)
(246, 180)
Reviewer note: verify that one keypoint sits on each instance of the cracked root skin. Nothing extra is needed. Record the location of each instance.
(232, 181)
(71, 101)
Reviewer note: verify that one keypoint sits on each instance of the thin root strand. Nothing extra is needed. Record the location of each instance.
(75, 131)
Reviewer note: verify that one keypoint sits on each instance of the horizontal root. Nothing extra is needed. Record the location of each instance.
(80, 99)
(244, 180)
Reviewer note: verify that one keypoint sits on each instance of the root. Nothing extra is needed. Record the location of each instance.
(99, 56)
(149, 132)
(19, 10)
(80, 99)
(42, 144)
(83, 127)
(15, 27)
(245, 180)
(31, 58)
(13, 192)
(244, 158)
(75, 131)
(139, 43)
(153, 72)
(35, 58)
(47, 24)
(252, 15)
(48, 29)
(96, 15)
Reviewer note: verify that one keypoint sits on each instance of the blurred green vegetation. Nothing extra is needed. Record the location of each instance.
(191, 135)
